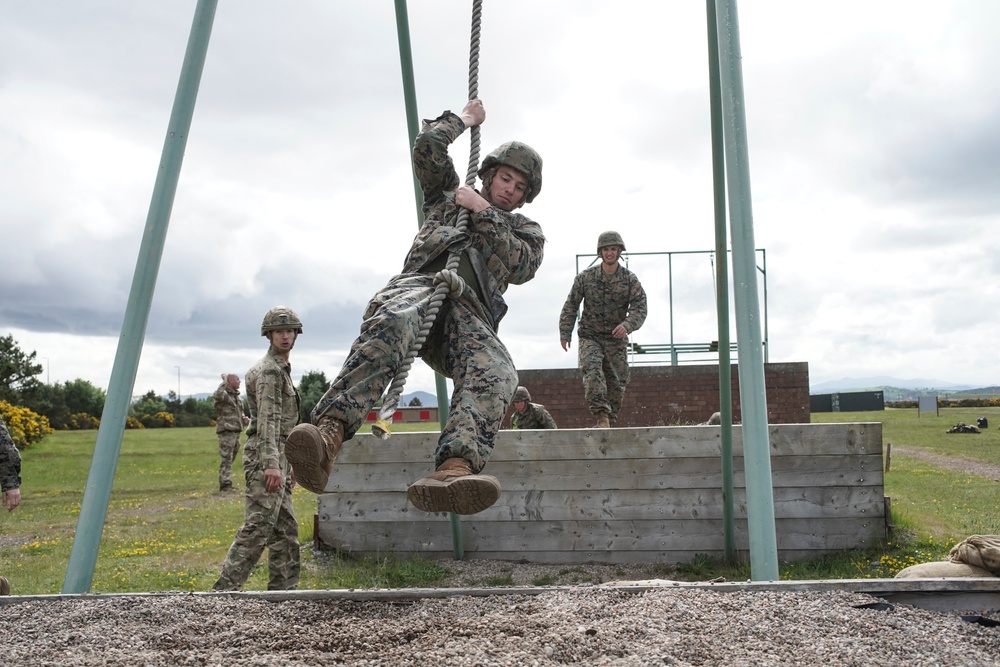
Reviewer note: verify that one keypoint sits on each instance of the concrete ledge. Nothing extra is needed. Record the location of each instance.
(932, 594)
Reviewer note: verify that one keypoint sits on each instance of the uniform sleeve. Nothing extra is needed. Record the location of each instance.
(269, 416)
(636, 305)
(432, 165)
(512, 245)
(570, 309)
(10, 461)
(547, 420)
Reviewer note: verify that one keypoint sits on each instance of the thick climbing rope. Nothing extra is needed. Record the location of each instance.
(447, 282)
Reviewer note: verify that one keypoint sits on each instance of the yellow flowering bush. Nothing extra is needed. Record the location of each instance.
(159, 420)
(26, 427)
(81, 421)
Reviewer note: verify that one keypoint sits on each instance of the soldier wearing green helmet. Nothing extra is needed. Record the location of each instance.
(614, 305)
(499, 248)
(528, 415)
(268, 514)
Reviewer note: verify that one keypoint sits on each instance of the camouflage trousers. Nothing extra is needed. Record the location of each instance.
(604, 366)
(461, 346)
(268, 522)
(229, 447)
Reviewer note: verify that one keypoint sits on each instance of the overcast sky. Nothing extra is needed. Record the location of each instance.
(874, 135)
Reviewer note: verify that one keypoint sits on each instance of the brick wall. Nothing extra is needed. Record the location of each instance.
(670, 395)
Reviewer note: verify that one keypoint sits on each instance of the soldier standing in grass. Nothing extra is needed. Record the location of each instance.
(229, 423)
(269, 517)
(527, 414)
(10, 481)
(614, 305)
(499, 248)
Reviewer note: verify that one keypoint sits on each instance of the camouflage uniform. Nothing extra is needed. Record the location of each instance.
(608, 300)
(535, 416)
(269, 518)
(498, 249)
(10, 460)
(228, 426)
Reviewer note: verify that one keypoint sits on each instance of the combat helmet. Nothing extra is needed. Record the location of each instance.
(521, 394)
(609, 238)
(280, 317)
(520, 156)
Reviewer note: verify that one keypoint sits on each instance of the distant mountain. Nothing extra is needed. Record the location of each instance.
(992, 389)
(879, 382)
(426, 399)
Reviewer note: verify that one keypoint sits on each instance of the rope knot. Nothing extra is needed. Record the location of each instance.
(454, 281)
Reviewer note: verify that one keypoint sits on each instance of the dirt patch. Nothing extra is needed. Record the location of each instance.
(969, 466)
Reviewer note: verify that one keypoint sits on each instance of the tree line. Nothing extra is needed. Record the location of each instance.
(31, 408)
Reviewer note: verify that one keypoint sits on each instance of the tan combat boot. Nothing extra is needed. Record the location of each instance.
(453, 488)
(602, 421)
(4, 586)
(311, 451)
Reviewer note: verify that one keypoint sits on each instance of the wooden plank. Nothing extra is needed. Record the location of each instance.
(684, 473)
(624, 443)
(805, 502)
(691, 535)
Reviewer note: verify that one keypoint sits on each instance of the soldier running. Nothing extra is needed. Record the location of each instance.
(614, 305)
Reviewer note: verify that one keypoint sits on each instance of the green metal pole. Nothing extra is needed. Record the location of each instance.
(722, 289)
(753, 400)
(94, 508)
(410, 99)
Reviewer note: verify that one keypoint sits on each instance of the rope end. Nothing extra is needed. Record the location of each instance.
(382, 428)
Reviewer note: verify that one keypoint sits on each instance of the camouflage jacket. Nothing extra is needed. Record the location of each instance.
(228, 409)
(535, 416)
(274, 408)
(10, 460)
(502, 247)
(608, 300)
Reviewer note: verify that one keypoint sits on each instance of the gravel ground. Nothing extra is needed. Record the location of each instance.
(584, 624)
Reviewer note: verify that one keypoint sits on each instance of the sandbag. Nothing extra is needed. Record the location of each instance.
(943, 569)
(982, 551)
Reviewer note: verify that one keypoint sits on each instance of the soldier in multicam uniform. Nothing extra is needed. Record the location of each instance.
(499, 248)
(229, 423)
(10, 481)
(269, 517)
(529, 415)
(614, 305)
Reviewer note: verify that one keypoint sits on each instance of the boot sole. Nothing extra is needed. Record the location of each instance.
(306, 452)
(462, 495)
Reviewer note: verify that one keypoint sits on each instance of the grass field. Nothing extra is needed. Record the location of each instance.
(168, 529)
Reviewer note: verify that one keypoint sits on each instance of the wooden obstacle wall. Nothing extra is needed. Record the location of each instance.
(630, 495)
